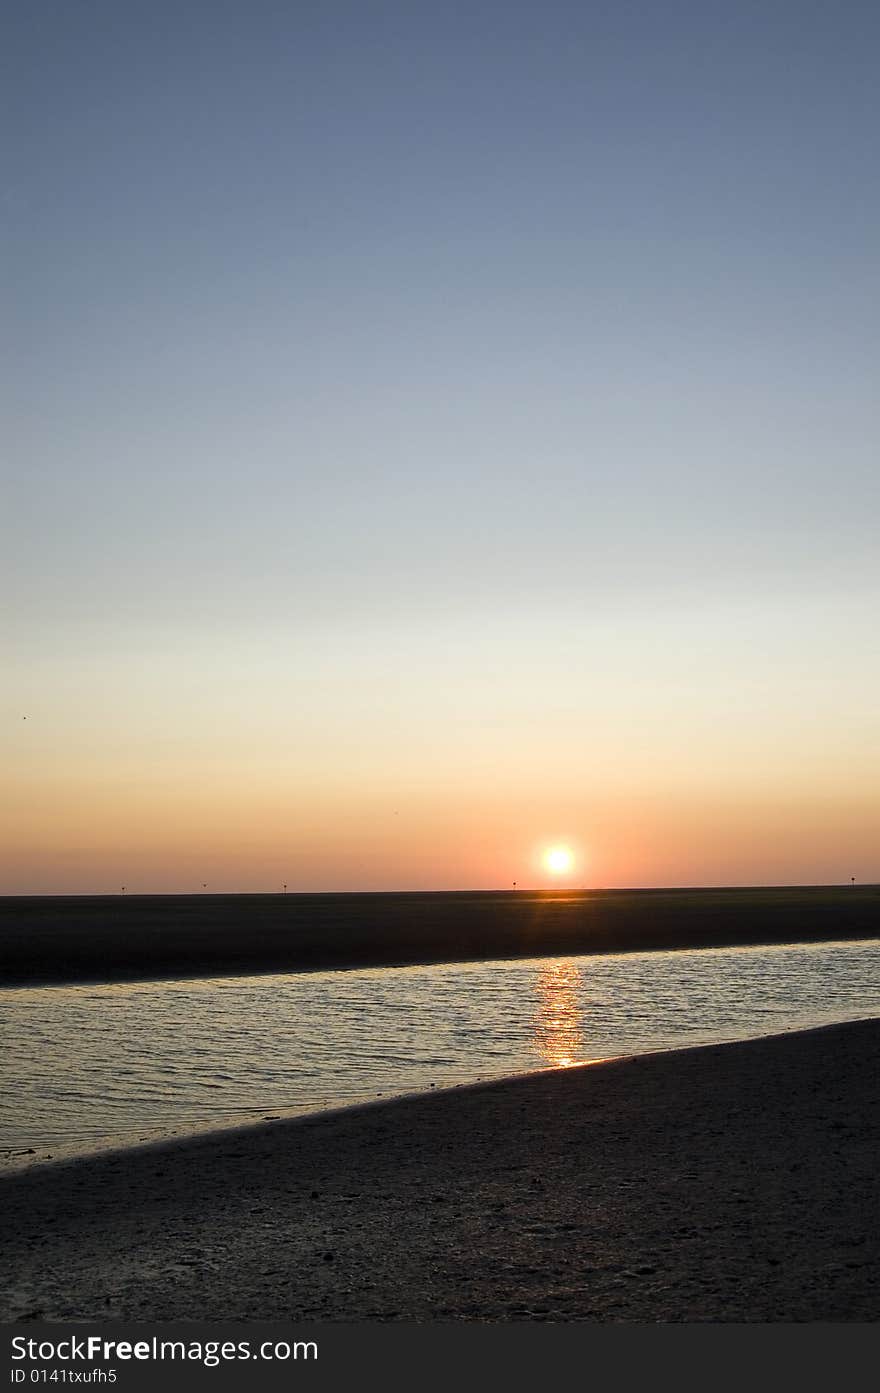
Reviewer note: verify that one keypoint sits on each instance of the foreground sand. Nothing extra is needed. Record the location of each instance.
(729, 1183)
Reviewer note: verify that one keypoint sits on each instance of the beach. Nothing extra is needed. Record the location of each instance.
(726, 1183)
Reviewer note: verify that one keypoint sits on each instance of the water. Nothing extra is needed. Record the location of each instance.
(95, 1065)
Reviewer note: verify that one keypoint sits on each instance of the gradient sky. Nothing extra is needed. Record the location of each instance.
(435, 431)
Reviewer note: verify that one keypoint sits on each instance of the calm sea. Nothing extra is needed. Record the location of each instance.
(89, 1066)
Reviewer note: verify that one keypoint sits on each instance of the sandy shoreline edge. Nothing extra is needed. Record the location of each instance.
(732, 1182)
(117, 1148)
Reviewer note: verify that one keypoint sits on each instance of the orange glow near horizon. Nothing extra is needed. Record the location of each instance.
(90, 836)
(165, 801)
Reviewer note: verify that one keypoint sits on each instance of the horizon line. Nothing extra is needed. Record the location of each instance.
(516, 889)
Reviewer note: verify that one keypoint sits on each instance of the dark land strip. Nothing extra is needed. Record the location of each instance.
(56, 939)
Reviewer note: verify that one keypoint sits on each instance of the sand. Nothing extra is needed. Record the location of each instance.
(726, 1183)
(117, 938)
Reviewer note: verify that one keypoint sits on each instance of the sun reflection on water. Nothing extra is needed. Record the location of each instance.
(133, 1061)
(558, 1037)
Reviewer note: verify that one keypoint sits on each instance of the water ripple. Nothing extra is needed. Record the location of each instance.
(97, 1062)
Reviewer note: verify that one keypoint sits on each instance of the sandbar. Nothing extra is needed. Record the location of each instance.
(103, 938)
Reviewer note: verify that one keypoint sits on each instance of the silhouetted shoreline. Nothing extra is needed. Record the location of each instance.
(55, 939)
(732, 1182)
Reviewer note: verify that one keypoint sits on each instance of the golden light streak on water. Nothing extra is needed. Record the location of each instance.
(558, 1037)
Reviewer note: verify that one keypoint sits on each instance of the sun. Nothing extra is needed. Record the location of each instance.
(558, 860)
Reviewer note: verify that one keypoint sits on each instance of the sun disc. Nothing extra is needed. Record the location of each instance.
(558, 860)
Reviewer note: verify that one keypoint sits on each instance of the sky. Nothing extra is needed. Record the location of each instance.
(434, 433)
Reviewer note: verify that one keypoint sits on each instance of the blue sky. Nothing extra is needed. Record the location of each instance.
(418, 333)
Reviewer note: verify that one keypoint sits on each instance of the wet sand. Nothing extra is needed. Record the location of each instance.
(725, 1183)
